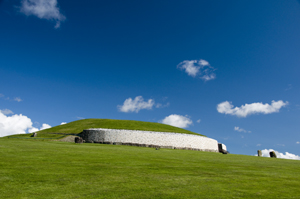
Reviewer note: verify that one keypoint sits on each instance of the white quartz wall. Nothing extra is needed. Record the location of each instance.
(177, 140)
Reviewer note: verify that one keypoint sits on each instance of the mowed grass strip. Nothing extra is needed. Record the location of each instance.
(48, 169)
(39, 136)
(79, 125)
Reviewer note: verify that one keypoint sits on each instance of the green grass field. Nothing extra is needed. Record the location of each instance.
(51, 169)
(78, 126)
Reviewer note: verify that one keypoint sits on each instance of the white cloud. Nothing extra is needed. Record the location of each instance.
(248, 109)
(16, 124)
(236, 128)
(43, 9)
(287, 155)
(45, 126)
(199, 120)
(297, 142)
(177, 120)
(6, 112)
(199, 68)
(18, 99)
(63, 123)
(258, 145)
(208, 77)
(136, 105)
(203, 62)
(32, 130)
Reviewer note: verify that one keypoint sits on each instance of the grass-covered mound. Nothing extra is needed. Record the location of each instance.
(57, 170)
(78, 126)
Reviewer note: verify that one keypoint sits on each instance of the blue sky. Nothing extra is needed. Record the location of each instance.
(225, 69)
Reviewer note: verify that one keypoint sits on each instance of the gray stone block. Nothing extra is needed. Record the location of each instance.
(259, 153)
(78, 140)
(273, 154)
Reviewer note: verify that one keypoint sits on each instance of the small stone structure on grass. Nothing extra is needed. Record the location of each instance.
(222, 148)
(273, 154)
(152, 139)
(259, 153)
(34, 135)
(79, 140)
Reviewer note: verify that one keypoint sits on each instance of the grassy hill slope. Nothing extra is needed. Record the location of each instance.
(77, 126)
(47, 169)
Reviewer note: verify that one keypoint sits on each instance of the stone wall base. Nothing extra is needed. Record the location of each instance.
(153, 146)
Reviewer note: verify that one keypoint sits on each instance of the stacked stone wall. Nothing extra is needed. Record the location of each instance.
(150, 139)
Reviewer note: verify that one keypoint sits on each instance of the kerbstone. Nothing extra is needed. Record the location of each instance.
(259, 153)
(273, 154)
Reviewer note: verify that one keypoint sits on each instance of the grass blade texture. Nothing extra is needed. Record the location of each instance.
(52, 169)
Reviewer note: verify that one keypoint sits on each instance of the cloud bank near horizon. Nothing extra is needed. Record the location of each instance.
(16, 124)
(287, 155)
(43, 9)
(226, 107)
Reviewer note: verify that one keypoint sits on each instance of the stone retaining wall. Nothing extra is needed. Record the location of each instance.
(150, 139)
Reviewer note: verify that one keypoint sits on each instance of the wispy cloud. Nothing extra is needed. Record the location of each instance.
(136, 105)
(63, 123)
(297, 142)
(199, 120)
(282, 145)
(289, 87)
(287, 155)
(236, 128)
(200, 68)
(177, 120)
(6, 112)
(43, 9)
(159, 105)
(18, 99)
(2, 96)
(249, 109)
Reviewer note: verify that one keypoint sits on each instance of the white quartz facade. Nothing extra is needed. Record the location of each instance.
(224, 147)
(162, 139)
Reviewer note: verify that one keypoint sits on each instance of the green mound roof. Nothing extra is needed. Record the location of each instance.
(78, 126)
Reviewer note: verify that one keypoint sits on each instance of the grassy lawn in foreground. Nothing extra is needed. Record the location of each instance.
(50, 169)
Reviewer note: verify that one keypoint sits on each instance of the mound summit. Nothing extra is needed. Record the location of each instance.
(78, 126)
